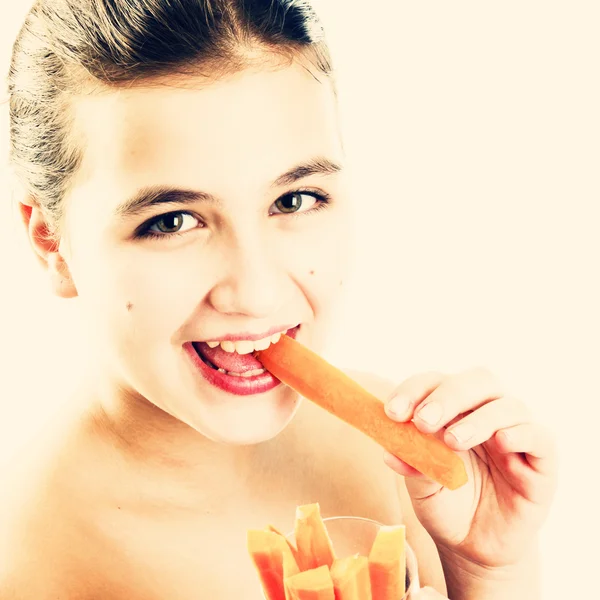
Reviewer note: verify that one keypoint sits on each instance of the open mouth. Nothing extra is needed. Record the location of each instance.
(232, 365)
(248, 373)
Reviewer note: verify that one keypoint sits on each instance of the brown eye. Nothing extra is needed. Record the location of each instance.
(291, 203)
(170, 223)
(174, 223)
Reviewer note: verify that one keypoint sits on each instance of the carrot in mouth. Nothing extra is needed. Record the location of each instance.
(325, 385)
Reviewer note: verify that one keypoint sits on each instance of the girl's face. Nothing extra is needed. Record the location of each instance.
(205, 213)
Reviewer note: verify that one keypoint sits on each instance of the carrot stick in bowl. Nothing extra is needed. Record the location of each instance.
(312, 540)
(322, 383)
(273, 560)
(314, 584)
(291, 546)
(351, 578)
(387, 563)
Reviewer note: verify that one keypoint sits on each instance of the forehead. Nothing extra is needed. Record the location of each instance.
(219, 137)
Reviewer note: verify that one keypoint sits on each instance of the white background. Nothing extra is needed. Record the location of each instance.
(474, 130)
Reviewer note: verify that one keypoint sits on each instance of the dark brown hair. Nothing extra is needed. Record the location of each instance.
(70, 47)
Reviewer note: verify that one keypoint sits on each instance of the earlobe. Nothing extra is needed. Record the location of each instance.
(46, 249)
(60, 276)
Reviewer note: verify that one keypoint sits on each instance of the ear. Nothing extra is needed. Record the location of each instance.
(47, 249)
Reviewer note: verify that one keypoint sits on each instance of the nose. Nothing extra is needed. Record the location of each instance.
(251, 282)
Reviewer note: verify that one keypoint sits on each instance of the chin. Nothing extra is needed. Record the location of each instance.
(247, 421)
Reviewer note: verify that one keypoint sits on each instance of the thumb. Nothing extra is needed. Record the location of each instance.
(428, 593)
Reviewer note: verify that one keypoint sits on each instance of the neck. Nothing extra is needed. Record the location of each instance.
(164, 454)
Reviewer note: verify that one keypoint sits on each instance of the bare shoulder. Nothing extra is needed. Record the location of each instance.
(22, 536)
(42, 541)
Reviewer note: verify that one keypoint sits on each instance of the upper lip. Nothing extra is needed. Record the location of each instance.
(252, 337)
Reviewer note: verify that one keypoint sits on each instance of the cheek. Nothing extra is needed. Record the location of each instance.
(323, 263)
(137, 299)
(163, 289)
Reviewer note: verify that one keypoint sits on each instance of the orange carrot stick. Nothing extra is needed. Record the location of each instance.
(288, 542)
(315, 379)
(312, 540)
(387, 563)
(315, 584)
(273, 560)
(351, 579)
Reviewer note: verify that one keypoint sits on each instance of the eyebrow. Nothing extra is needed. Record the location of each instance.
(150, 196)
(317, 166)
(153, 195)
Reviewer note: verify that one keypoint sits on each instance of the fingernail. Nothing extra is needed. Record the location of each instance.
(431, 413)
(397, 407)
(462, 432)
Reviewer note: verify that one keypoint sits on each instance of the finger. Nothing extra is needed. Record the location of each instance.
(400, 467)
(534, 441)
(419, 486)
(481, 425)
(455, 395)
(408, 394)
(528, 483)
(526, 459)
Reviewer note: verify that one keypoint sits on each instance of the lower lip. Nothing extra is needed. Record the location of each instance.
(238, 386)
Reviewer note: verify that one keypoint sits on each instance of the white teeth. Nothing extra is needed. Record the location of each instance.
(244, 347)
(247, 346)
(228, 346)
(252, 373)
(262, 344)
(221, 370)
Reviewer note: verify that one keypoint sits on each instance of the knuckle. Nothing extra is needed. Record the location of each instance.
(516, 406)
(487, 379)
(482, 373)
(429, 379)
(455, 382)
(414, 386)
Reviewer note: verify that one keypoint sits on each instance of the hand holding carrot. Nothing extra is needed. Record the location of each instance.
(314, 378)
(492, 520)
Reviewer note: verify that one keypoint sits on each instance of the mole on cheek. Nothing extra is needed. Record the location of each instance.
(312, 272)
(129, 306)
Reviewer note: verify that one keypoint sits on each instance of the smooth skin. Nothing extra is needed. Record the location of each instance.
(146, 487)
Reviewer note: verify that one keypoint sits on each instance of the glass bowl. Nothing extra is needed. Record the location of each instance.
(355, 535)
